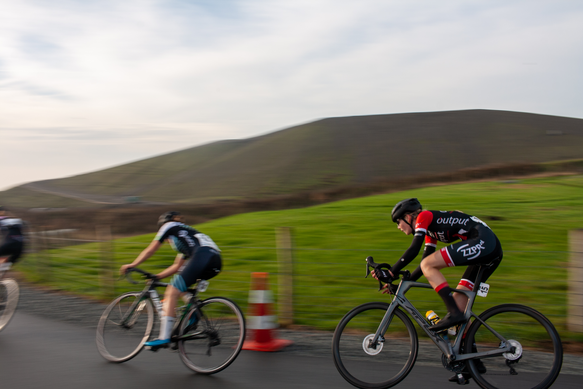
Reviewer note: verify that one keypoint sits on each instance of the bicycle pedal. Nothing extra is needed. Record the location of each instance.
(156, 348)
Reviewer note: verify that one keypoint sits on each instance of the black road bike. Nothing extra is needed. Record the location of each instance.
(208, 334)
(513, 346)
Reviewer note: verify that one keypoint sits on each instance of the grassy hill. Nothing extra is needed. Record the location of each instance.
(325, 154)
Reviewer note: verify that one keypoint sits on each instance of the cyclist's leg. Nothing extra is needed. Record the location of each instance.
(10, 250)
(431, 267)
(205, 263)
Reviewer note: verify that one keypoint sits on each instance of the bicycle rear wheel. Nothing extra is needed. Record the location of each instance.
(368, 367)
(9, 294)
(118, 340)
(538, 358)
(211, 335)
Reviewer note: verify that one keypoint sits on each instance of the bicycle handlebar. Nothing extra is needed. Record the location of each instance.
(146, 275)
(371, 263)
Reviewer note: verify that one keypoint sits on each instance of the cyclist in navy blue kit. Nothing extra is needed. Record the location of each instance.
(198, 258)
(478, 245)
(11, 239)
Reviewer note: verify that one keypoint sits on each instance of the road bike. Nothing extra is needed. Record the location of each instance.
(375, 345)
(9, 295)
(208, 334)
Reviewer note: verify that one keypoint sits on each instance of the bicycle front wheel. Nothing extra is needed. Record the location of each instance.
(211, 335)
(121, 334)
(9, 294)
(374, 366)
(538, 356)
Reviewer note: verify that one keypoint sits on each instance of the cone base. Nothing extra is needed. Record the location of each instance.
(273, 345)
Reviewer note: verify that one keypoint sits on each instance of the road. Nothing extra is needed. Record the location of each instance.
(37, 352)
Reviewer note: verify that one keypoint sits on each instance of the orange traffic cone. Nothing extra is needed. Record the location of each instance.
(260, 320)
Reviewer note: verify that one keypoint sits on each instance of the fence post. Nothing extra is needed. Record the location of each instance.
(44, 268)
(285, 258)
(107, 280)
(575, 295)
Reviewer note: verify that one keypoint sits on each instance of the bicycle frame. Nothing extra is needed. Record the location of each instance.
(451, 352)
(150, 292)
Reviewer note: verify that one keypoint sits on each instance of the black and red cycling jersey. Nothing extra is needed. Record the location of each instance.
(446, 226)
(443, 226)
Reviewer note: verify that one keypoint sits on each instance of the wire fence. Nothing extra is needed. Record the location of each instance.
(323, 290)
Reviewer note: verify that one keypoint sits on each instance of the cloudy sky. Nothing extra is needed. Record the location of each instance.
(90, 84)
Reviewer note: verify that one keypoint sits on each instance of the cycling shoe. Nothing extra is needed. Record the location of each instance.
(448, 321)
(157, 343)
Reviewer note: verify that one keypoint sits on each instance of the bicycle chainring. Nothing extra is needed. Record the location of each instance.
(455, 366)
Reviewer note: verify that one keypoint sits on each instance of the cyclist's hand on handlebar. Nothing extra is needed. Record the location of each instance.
(383, 275)
(124, 268)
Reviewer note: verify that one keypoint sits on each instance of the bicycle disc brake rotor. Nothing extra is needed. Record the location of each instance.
(517, 352)
(367, 345)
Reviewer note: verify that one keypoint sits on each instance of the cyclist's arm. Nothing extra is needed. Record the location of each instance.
(178, 262)
(145, 254)
(411, 252)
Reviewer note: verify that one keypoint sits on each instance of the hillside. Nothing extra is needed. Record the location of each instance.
(325, 154)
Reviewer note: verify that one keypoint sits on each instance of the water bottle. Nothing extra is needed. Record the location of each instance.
(432, 317)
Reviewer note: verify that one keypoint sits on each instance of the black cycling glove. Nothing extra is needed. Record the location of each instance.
(383, 275)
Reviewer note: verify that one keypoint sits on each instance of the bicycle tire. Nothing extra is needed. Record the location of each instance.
(393, 361)
(539, 351)
(215, 332)
(119, 343)
(9, 295)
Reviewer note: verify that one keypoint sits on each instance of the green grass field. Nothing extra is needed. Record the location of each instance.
(532, 218)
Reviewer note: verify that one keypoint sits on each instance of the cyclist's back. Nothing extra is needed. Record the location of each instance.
(11, 237)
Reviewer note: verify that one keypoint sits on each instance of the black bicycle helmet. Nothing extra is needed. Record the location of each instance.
(404, 207)
(166, 217)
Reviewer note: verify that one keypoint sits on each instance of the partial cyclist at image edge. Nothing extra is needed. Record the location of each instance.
(478, 246)
(198, 258)
(11, 239)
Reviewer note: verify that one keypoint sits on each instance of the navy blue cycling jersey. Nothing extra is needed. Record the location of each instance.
(10, 226)
(183, 238)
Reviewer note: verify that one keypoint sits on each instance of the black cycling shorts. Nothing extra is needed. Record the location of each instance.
(204, 264)
(483, 248)
(12, 247)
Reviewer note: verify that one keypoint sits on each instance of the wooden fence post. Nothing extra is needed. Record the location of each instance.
(106, 276)
(285, 257)
(44, 268)
(575, 273)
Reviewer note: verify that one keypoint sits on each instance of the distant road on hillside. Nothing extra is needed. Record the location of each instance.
(94, 199)
(40, 187)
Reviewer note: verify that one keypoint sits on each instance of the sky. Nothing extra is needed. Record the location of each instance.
(91, 84)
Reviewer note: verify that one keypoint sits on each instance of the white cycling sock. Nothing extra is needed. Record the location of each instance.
(166, 324)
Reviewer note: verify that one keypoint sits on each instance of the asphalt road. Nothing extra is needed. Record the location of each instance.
(37, 352)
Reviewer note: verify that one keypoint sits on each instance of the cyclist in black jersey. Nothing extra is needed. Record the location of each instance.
(478, 245)
(198, 258)
(11, 239)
